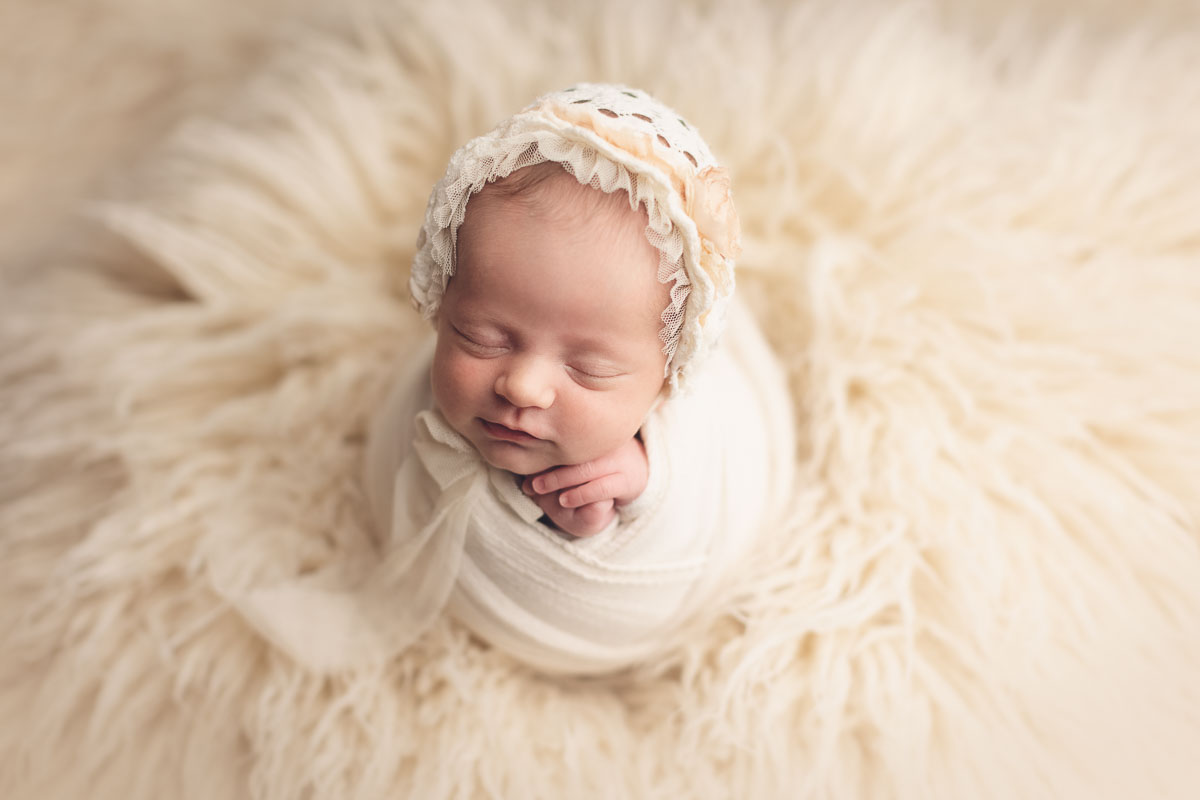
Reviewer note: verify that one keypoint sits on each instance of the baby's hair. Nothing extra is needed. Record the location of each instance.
(525, 180)
(530, 185)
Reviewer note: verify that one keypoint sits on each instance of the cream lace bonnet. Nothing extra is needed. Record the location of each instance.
(610, 138)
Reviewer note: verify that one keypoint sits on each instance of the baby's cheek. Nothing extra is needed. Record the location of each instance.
(594, 431)
(457, 378)
(447, 379)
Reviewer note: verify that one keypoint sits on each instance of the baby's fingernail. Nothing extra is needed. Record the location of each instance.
(562, 501)
(539, 485)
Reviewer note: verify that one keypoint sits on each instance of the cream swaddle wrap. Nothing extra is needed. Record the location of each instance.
(457, 534)
(720, 462)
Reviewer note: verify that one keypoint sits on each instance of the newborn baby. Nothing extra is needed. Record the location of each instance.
(548, 354)
(596, 433)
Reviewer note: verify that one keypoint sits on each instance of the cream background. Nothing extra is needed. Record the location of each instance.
(973, 240)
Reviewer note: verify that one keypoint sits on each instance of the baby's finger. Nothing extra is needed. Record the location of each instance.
(548, 503)
(571, 475)
(593, 518)
(605, 488)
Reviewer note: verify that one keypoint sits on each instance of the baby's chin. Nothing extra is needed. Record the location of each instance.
(526, 459)
(516, 458)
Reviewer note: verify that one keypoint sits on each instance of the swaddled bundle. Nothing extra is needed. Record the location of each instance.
(541, 367)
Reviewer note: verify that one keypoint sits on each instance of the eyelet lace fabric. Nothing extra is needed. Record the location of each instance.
(611, 138)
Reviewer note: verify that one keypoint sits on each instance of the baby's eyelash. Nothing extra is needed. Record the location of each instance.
(599, 376)
(475, 342)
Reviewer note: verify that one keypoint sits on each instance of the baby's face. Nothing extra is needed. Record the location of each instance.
(548, 349)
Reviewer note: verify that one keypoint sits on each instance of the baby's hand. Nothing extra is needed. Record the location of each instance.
(582, 499)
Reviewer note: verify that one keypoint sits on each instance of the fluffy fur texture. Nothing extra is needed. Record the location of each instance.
(976, 256)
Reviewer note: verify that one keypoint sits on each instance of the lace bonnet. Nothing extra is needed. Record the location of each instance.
(610, 138)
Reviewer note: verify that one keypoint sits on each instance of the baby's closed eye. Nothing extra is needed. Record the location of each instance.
(597, 374)
(480, 342)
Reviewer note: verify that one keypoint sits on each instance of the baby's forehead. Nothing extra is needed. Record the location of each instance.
(547, 203)
(551, 193)
(581, 244)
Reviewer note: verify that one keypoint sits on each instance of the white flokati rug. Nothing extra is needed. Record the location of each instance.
(978, 256)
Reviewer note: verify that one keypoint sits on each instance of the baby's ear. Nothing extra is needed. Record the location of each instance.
(664, 394)
(436, 316)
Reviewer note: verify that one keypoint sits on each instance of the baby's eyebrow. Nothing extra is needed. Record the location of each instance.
(609, 342)
(465, 315)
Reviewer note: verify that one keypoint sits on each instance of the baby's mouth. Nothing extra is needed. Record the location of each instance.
(505, 433)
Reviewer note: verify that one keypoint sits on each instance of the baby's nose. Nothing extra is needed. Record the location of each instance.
(526, 384)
